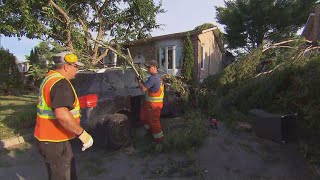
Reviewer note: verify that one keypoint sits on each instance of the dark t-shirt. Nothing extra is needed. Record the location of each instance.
(153, 83)
(62, 95)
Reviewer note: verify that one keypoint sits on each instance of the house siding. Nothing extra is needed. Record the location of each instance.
(212, 55)
(147, 50)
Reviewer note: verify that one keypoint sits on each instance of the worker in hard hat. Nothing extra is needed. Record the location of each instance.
(58, 118)
(152, 106)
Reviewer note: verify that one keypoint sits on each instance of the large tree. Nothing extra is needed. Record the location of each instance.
(80, 24)
(10, 77)
(40, 60)
(249, 22)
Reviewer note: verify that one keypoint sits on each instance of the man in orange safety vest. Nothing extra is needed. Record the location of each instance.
(58, 118)
(151, 109)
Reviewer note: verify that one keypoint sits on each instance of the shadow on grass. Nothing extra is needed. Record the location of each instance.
(18, 98)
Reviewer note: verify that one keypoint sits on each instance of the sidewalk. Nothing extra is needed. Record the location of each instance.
(11, 142)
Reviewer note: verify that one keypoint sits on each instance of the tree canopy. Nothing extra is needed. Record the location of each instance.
(204, 26)
(249, 22)
(40, 60)
(10, 78)
(78, 24)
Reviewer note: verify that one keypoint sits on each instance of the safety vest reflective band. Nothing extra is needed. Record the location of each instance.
(47, 127)
(157, 96)
(158, 135)
(146, 126)
(48, 113)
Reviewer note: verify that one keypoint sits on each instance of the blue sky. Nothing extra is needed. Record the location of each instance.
(181, 15)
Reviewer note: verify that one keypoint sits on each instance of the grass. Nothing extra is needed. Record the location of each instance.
(183, 134)
(17, 115)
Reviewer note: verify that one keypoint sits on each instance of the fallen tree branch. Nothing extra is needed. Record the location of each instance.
(127, 58)
(281, 44)
(267, 72)
(310, 48)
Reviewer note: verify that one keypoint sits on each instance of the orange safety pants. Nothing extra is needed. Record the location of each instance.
(150, 118)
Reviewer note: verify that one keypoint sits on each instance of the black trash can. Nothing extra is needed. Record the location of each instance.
(279, 128)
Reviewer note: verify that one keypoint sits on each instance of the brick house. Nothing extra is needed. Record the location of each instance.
(168, 51)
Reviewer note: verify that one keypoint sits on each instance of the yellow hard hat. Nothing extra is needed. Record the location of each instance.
(66, 57)
(70, 58)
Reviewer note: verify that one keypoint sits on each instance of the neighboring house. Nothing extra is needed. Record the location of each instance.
(23, 67)
(168, 51)
(311, 30)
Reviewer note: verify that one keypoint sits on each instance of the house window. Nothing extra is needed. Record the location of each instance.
(202, 58)
(169, 57)
(162, 57)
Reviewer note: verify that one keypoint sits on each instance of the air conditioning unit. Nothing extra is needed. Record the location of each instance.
(279, 128)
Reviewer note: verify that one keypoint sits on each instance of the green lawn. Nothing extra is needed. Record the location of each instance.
(17, 115)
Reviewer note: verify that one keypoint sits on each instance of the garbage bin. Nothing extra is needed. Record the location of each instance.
(279, 128)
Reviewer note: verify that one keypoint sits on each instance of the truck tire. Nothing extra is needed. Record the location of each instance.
(118, 131)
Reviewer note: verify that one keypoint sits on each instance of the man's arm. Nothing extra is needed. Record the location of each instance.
(61, 103)
(142, 87)
(66, 119)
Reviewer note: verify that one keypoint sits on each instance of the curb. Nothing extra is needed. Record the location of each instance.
(10, 142)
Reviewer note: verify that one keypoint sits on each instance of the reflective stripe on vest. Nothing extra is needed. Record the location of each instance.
(157, 96)
(158, 135)
(47, 127)
(146, 126)
(50, 114)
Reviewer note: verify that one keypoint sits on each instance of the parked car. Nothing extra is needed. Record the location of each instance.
(110, 101)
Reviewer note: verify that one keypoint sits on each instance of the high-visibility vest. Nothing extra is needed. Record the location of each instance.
(47, 126)
(157, 96)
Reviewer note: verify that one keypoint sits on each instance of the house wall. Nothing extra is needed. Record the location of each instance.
(212, 55)
(176, 42)
(146, 51)
(23, 67)
(143, 52)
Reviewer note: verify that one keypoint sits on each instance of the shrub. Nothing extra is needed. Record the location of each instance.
(10, 77)
(290, 85)
(188, 60)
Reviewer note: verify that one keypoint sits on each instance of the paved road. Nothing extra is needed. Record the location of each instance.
(225, 155)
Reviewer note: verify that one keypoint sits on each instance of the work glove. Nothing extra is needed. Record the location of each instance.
(86, 139)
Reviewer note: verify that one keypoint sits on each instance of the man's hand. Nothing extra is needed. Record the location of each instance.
(86, 139)
(139, 78)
